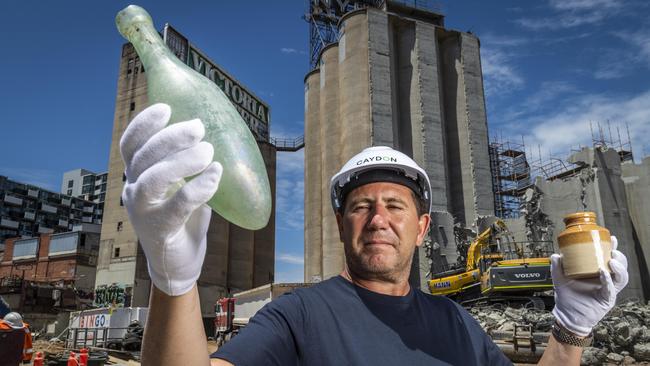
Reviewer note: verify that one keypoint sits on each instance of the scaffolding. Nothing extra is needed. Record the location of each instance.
(511, 176)
(600, 139)
(551, 167)
(514, 168)
(323, 17)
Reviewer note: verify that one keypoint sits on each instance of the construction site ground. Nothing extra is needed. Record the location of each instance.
(621, 338)
(51, 347)
(48, 347)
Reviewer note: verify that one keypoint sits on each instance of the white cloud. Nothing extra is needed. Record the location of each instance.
(585, 4)
(290, 258)
(573, 13)
(289, 275)
(619, 62)
(498, 55)
(290, 50)
(567, 126)
(500, 40)
(499, 72)
(290, 190)
(611, 66)
(547, 92)
(641, 41)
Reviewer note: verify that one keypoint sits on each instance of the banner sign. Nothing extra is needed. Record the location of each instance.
(252, 109)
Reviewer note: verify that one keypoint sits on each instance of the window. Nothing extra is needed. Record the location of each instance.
(123, 177)
(121, 201)
(132, 106)
(69, 192)
(129, 67)
(120, 226)
(88, 179)
(70, 183)
(116, 252)
(64, 243)
(26, 248)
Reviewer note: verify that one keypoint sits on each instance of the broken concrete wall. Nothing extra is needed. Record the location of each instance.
(517, 228)
(603, 192)
(466, 140)
(637, 187)
(440, 250)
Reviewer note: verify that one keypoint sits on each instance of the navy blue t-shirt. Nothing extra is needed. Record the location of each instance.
(338, 323)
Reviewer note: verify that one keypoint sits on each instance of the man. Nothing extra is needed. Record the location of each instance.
(369, 315)
(13, 322)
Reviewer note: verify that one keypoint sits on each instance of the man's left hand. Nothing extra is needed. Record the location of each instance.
(581, 303)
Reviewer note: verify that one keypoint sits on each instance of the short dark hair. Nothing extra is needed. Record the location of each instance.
(419, 204)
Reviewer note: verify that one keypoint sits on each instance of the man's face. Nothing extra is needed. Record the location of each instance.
(380, 229)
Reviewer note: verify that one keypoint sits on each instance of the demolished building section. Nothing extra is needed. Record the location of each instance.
(637, 188)
(597, 186)
(599, 179)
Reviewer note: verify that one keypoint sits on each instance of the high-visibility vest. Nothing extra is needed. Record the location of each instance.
(28, 351)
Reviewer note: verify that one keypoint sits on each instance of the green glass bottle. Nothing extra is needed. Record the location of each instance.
(244, 195)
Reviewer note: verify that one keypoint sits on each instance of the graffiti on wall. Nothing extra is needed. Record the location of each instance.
(113, 295)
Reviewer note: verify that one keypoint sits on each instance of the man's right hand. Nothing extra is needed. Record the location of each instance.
(170, 218)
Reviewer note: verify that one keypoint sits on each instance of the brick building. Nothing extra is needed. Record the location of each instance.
(50, 271)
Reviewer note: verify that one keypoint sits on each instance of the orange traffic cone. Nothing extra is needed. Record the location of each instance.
(38, 359)
(72, 360)
(83, 357)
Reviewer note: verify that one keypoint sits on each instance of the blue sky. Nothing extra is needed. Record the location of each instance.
(550, 67)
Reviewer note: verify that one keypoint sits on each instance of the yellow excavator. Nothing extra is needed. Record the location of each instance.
(498, 270)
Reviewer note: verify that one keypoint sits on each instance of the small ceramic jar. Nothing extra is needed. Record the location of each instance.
(586, 248)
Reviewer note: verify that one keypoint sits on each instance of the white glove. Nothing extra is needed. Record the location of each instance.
(580, 304)
(170, 218)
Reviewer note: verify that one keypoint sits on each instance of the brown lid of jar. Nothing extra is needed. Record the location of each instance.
(586, 217)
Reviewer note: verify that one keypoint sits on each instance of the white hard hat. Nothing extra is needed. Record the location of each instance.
(380, 164)
(14, 319)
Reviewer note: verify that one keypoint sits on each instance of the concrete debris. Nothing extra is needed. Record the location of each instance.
(621, 338)
(642, 352)
(463, 238)
(539, 227)
(615, 358)
(593, 356)
(586, 176)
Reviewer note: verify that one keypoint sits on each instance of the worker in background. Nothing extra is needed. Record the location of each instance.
(369, 315)
(13, 322)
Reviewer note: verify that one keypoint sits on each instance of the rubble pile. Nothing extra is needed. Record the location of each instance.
(621, 338)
